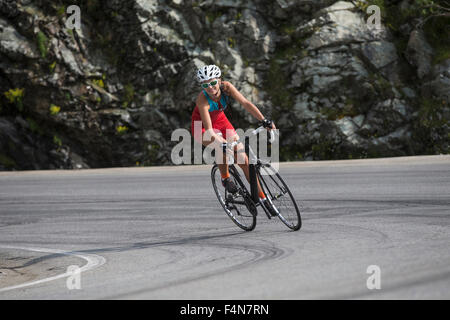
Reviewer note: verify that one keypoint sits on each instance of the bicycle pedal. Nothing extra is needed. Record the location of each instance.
(229, 197)
(230, 206)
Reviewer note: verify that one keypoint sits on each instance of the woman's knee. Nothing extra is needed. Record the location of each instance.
(241, 156)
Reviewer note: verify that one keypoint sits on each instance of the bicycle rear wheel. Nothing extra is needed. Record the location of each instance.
(239, 206)
(280, 196)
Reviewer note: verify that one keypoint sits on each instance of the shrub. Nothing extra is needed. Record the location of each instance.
(15, 96)
(121, 129)
(54, 109)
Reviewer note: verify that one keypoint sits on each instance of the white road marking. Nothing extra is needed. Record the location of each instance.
(93, 261)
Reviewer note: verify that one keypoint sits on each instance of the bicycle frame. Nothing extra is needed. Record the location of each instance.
(253, 168)
(261, 173)
(252, 172)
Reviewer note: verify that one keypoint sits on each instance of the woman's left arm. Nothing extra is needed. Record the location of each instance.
(250, 107)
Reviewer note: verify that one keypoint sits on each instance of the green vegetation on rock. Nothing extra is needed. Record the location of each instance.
(15, 96)
(431, 128)
(213, 15)
(121, 129)
(34, 126)
(128, 95)
(7, 161)
(57, 140)
(52, 67)
(54, 109)
(276, 86)
(99, 82)
(42, 43)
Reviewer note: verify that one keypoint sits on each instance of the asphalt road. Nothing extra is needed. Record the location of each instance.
(160, 233)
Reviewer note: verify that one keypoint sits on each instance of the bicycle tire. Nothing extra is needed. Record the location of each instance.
(279, 194)
(239, 206)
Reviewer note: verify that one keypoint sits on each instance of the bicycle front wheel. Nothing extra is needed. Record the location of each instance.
(239, 206)
(280, 196)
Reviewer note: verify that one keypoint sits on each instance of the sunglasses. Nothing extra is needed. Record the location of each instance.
(212, 84)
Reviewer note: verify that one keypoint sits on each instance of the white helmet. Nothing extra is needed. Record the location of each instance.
(208, 72)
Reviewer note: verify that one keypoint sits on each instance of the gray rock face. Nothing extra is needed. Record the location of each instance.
(13, 44)
(419, 53)
(379, 53)
(439, 86)
(112, 92)
(339, 24)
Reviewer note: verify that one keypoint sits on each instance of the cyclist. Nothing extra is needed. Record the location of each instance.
(209, 110)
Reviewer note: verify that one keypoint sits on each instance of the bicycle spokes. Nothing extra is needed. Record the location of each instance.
(280, 197)
(236, 204)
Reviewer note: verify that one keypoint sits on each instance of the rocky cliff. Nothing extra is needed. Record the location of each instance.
(112, 92)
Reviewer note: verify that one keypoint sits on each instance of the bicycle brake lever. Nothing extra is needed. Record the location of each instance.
(272, 136)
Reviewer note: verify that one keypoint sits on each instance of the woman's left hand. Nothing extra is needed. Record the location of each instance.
(273, 126)
(267, 123)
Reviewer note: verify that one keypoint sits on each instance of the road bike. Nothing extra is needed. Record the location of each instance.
(242, 206)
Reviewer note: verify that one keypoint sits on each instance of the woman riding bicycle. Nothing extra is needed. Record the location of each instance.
(215, 126)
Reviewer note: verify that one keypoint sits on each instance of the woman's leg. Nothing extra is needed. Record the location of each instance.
(243, 163)
(223, 165)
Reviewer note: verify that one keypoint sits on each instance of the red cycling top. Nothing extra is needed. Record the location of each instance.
(218, 118)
